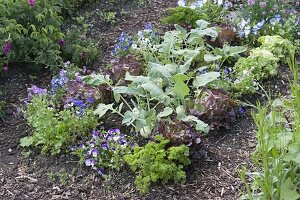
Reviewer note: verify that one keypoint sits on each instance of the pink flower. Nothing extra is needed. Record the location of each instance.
(7, 48)
(31, 2)
(251, 2)
(263, 4)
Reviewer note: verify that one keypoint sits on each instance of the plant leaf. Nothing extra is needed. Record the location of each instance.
(211, 58)
(166, 112)
(206, 78)
(103, 108)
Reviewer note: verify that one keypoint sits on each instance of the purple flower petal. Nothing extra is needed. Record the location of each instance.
(90, 162)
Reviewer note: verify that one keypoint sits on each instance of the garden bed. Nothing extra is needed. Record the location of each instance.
(214, 169)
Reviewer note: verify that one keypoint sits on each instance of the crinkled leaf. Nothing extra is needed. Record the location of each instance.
(26, 141)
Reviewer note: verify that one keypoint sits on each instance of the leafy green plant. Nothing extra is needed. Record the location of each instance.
(276, 44)
(77, 47)
(249, 71)
(55, 129)
(186, 16)
(155, 162)
(277, 155)
(30, 31)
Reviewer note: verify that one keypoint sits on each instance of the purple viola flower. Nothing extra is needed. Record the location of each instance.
(94, 152)
(95, 134)
(79, 78)
(251, 2)
(7, 47)
(227, 71)
(61, 42)
(148, 26)
(90, 162)
(263, 4)
(62, 73)
(82, 146)
(92, 144)
(242, 109)
(31, 2)
(113, 131)
(104, 145)
(100, 172)
(108, 137)
(122, 141)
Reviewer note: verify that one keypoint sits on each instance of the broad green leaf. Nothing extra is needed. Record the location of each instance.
(124, 90)
(154, 90)
(161, 71)
(206, 78)
(211, 58)
(181, 30)
(181, 90)
(103, 108)
(200, 125)
(170, 39)
(202, 24)
(166, 112)
(96, 79)
(180, 111)
(180, 77)
(137, 79)
(129, 118)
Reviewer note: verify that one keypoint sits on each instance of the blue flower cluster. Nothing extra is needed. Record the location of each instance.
(147, 38)
(104, 149)
(123, 44)
(245, 29)
(199, 3)
(59, 82)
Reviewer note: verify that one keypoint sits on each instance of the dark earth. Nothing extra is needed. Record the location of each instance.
(24, 176)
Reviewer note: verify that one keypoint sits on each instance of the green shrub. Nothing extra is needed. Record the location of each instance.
(157, 162)
(32, 30)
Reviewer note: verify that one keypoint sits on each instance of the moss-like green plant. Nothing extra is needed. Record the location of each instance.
(155, 162)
